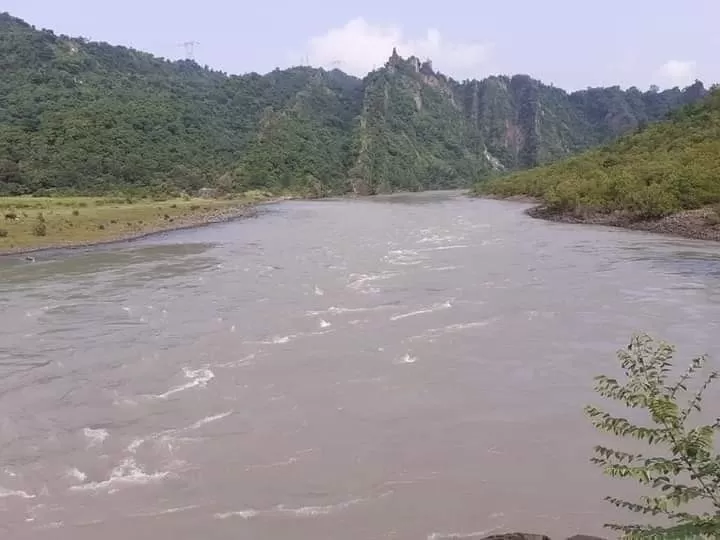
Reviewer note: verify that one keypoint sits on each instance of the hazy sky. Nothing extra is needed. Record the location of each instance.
(570, 43)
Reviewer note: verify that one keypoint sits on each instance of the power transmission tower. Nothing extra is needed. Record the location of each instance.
(189, 49)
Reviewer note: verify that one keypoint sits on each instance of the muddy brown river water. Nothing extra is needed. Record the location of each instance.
(405, 367)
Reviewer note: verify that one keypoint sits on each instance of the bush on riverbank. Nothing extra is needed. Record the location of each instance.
(684, 473)
(662, 169)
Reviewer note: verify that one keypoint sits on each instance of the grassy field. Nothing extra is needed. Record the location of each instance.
(28, 223)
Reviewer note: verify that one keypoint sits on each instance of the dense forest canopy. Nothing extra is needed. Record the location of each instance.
(87, 117)
(659, 170)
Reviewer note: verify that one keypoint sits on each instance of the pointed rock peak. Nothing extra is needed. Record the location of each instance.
(395, 59)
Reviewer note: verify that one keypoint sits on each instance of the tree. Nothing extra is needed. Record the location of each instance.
(684, 472)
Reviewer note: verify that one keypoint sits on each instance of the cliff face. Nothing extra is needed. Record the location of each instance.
(77, 115)
(412, 134)
(439, 132)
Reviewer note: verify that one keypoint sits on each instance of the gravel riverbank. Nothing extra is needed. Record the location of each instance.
(700, 224)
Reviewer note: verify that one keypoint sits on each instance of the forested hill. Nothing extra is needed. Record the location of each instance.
(83, 116)
(668, 167)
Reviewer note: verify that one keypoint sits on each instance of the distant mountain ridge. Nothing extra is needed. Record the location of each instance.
(83, 116)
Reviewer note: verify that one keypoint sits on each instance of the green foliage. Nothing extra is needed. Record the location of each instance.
(40, 227)
(411, 137)
(87, 117)
(79, 117)
(684, 473)
(664, 168)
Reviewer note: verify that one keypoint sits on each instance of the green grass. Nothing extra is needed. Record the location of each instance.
(68, 221)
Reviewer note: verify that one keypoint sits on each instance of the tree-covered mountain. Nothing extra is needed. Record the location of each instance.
(659, 170)
(82, 116)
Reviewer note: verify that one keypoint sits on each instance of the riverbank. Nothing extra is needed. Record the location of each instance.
(30, 224)
(699, 224)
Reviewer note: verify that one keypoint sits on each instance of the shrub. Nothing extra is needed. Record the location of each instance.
(4, 233)
(713, 216)
(76, 212)
(40, 228)
(685, 470)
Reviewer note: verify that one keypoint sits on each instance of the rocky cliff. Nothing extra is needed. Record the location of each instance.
(419, 129)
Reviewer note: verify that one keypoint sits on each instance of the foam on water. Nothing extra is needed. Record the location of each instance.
(433, 333)
(244, 514)
(443, 248)
(301, 512)
(95, 436)
(403, 257)
(128, 472)
(324, 323)
(76, 474)
(435, 307)
(175, 510)
(278, 340)
(198, 377)
(289, 461)
(437, 239)
(313, 511)
(407, 359)
(359, 282)
(15, 493)
(441, 268)
(236, 363)
(210, 419)
(51, 525)
(134, 445)
(335, 310)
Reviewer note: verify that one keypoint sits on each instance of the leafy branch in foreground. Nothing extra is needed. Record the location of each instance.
(684, 475)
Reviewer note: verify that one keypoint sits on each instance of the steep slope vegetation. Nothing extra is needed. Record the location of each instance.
(412, 134)
(660, 170)
(92, 117)
(86, 117)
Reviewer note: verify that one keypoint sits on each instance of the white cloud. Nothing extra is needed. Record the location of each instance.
(359, 47)
(679, 72)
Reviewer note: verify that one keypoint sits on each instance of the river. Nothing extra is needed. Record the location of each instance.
(403, 367)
